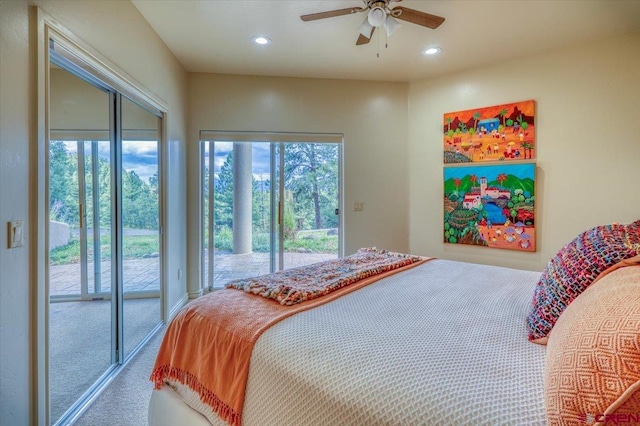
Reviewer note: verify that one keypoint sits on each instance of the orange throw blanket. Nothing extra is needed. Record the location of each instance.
(208, 345)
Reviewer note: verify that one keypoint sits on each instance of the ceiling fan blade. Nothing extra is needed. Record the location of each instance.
(417, 17)
(331, 13)
(364, 40)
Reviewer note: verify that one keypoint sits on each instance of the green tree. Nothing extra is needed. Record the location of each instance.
(140, 203)
(311, 173)
(104, 188)
(140, 199)
(527, 147)
(288, 217)
(476, 117)
(153, 182)
(503, 113)
(223, 195)
(61, 170)
(261, 204)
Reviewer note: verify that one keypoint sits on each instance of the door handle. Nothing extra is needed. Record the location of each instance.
(279, 213)
(81, 211)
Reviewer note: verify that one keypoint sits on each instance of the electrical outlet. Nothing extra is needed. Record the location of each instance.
(358, 206)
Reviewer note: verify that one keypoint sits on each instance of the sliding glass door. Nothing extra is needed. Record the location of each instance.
(268, 206)
(104, 253)
(140, 223)
(309, 186)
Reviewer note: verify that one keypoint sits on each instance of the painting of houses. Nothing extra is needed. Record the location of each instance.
(490, 206)
(497, 133)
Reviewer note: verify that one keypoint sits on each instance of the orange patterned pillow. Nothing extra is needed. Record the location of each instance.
(593, 355)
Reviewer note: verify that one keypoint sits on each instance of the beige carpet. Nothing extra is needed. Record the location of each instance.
(80, 344)
(126, 400)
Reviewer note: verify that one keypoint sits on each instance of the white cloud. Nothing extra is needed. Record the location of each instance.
(142, 148)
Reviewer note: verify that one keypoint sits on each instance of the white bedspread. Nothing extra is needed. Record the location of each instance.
(443, 343)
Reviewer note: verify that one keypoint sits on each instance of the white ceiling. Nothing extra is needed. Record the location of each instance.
(215, 35)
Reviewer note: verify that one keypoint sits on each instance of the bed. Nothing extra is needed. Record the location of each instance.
(441, 343)
(405, 340)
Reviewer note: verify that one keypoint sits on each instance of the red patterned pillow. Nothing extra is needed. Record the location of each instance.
(574, 268)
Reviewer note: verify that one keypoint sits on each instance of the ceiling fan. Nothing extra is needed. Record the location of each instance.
(379, 14)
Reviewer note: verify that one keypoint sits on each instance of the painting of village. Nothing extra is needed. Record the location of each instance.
(497, 133)
(490, 206)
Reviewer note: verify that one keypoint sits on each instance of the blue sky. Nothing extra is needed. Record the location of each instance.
(139, 156)
(260, 152)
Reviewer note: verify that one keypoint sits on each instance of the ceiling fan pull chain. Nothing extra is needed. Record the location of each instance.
(386, 40)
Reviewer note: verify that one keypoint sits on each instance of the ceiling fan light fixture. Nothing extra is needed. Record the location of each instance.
(379, 14)
(365, 28)
(376, 16)
(391, 25)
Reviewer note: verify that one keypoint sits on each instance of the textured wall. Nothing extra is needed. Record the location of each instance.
(587, 101)
(371, 115)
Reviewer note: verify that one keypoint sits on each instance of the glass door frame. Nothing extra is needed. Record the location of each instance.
(82, 225)
(277, 211)
(277, 142)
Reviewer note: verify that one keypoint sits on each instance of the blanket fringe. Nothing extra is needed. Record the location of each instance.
(160, 374)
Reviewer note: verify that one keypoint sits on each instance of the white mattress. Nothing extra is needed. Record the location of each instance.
(443, 343)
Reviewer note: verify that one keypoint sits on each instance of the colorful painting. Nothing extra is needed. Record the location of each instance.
(497, 133)
(490, 206)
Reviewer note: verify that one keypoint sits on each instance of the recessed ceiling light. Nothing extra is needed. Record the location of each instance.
(431, 51)
(262, 40)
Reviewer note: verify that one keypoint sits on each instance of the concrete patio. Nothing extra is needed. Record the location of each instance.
(142, 274)
(228, 266)
(138, 274)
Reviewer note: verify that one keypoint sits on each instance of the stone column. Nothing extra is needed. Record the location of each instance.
(242, 197)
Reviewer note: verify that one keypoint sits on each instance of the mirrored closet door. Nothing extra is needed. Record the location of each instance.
(104, 280)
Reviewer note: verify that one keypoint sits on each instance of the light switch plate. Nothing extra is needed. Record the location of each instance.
(15, 234)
